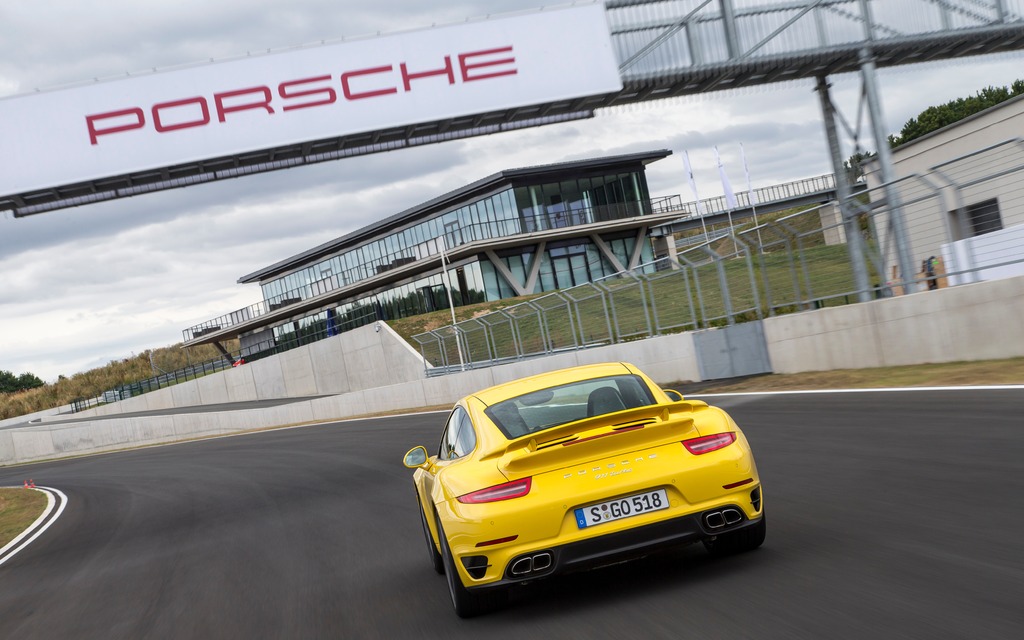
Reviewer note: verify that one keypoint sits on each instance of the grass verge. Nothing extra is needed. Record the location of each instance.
(18, 509)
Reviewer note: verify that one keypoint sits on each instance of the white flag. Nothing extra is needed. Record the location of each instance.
(730, 197)
(750, 189)
(693, 183)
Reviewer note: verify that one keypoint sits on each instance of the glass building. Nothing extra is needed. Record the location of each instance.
(517, 232)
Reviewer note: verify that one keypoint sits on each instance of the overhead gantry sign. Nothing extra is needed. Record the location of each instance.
(173, 128)
(168, 129)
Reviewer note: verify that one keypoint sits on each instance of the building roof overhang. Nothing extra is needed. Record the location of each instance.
(454, 199)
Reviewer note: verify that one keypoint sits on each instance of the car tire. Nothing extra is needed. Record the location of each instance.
(435, 557)
(468, 604)
(745, 539)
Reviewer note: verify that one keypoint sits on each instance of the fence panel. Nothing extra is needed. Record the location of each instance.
(558, 321)
(476, 345)
(501, 336)
(591, 311)
(630, 307)
(671, 296)
(528, 329)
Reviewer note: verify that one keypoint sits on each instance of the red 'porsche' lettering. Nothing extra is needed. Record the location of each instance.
(303, 93)
(95, 133)
(223, 110)
(352, 95)
(329, 94)
(447, 70)
(466, 66)
(158, 121)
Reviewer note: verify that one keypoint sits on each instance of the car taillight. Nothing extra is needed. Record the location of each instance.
(506, 491)
(706, 444)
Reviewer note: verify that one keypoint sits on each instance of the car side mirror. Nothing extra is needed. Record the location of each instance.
(672, 393)
(416, 458)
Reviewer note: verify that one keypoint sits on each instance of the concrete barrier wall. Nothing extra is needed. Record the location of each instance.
(971, 322)
(670, 355)
(38, 415)
(329, 365)
(365, 358)
(982, 321)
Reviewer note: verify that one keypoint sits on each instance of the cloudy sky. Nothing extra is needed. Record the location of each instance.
(84, 286)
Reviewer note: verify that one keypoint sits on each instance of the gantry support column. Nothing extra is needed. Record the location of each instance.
(885, 169)
(729, 24)
(854, 238)
(904, 260)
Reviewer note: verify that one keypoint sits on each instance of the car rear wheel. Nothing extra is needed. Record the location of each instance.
(435, 557)
(468, 604)
(745, 539)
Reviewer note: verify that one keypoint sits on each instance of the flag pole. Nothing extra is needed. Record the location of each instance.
(693, 188)
(752, 198)
(451, 303)
(730, 196)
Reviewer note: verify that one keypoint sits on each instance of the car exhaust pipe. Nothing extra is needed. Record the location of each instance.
(522, 566)
(714, 520)
(723, 518)
(526, 565)
(541, 561)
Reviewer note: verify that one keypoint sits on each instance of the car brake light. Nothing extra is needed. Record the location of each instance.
(706, 444)
(506, 491)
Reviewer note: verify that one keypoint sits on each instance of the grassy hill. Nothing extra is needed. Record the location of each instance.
(92, 383)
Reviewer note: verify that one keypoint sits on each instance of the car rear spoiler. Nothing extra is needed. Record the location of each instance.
(595, 437)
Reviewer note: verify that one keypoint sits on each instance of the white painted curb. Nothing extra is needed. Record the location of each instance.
(38, 527)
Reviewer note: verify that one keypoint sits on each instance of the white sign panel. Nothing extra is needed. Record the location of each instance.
(145, 122)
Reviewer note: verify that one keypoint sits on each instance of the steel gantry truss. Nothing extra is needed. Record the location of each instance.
(674, 48)
(666, 48)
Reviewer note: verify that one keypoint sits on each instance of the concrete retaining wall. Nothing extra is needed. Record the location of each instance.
(982, 321)
(375, 355)
(668, 358)
(38, 415)
(971, 322)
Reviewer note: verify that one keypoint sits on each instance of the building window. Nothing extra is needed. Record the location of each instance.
(984, 217)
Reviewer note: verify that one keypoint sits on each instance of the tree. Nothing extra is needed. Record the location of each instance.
(10, 383)
(29, 381)
(936, 117)
(854, 166)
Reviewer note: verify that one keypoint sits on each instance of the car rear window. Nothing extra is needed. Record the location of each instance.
(554, 406)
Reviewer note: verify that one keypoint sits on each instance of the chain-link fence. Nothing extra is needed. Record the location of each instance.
(958, 222)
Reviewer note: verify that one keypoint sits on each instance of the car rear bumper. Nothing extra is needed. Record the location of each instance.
(615, 547)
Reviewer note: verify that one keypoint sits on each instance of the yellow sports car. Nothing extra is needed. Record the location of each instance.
(575, 469)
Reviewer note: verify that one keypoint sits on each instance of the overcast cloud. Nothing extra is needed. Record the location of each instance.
(88, 285)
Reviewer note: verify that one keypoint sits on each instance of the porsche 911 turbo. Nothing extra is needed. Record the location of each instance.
(575, 469)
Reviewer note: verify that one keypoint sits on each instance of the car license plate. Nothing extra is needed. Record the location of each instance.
(621, 508)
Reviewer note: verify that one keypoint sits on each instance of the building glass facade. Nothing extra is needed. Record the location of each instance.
(500, 231)
(506, 213)
(509, 212)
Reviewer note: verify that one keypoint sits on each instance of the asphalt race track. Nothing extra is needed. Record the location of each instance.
(891, 515)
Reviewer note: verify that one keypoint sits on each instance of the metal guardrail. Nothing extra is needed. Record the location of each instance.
(791, 263)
